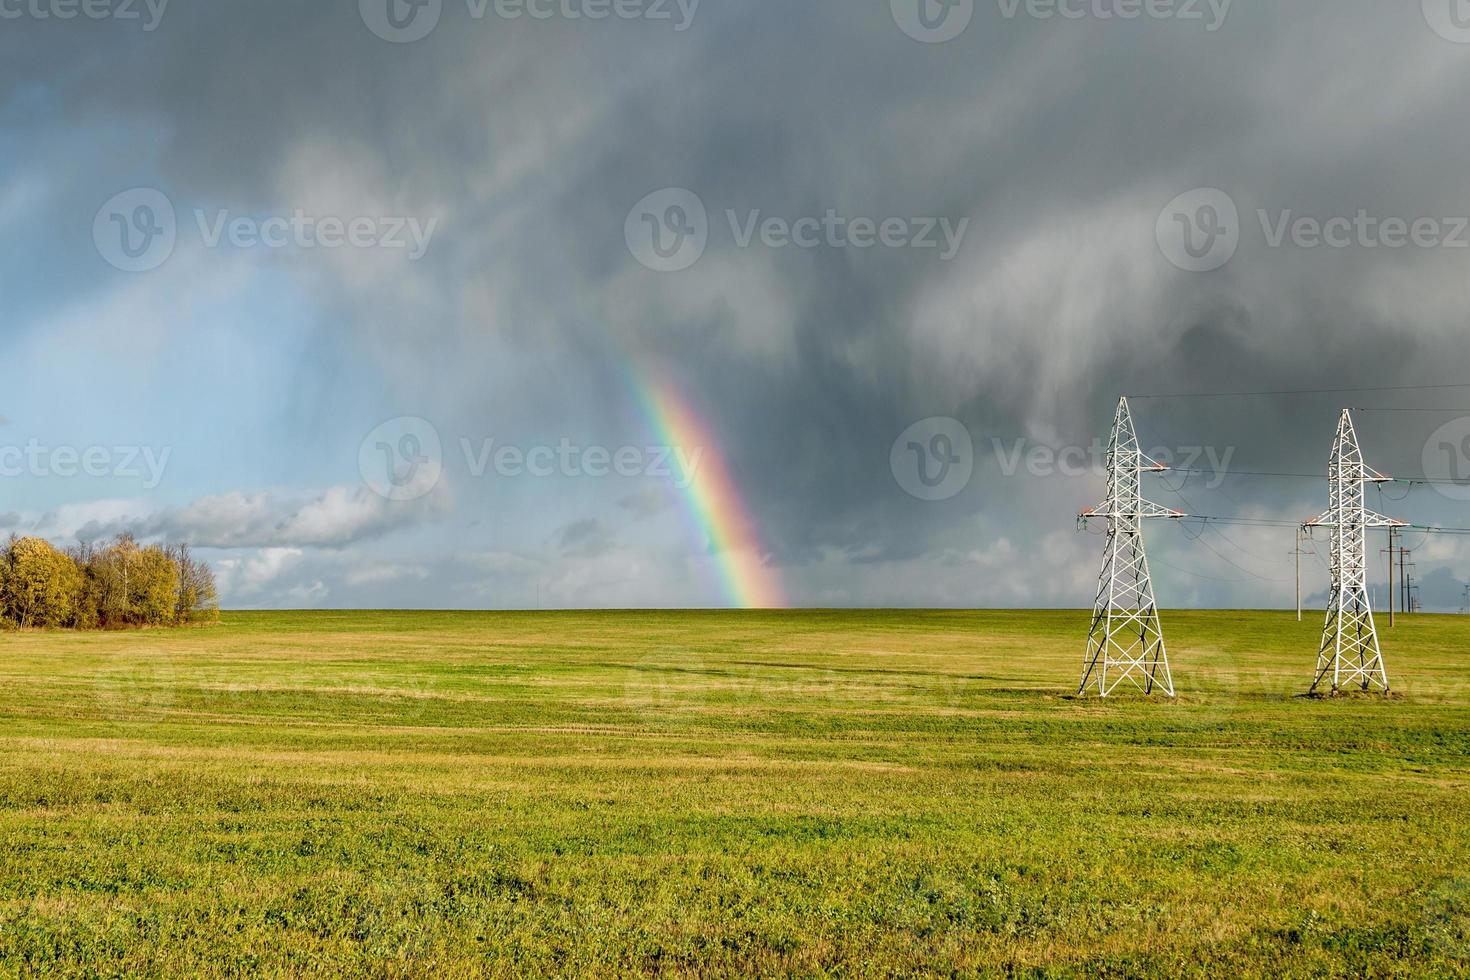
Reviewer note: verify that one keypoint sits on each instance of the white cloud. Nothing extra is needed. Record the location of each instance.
(247, 576)
(309, 595)
(381, 574)
(337, 517)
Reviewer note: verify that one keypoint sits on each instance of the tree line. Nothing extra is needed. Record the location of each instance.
(111, 586)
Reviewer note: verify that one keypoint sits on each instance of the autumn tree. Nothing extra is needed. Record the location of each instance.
(107, 572)
(198, 598)
(153, 588)
(39, 586)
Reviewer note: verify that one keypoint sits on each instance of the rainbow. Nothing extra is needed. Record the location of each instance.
(713, 499)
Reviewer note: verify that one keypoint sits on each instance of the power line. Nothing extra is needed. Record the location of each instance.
(1243, 521)
(1418, 481)
(1427, 411)
(1209, 578)
(1269, 522)
(1233, 472)
(1200, 539)
(1300, 391)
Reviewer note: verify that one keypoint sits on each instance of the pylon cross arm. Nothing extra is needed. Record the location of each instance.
(1370, 519)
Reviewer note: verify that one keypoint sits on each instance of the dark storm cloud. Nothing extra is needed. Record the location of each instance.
(1059, 141)
(647, 503)
(587, 538)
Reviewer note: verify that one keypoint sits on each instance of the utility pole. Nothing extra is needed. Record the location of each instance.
(1392, 532)
(1301, 532)
(1406, 570)
(1404, 579)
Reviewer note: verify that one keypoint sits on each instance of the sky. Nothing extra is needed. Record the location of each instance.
(649, 303)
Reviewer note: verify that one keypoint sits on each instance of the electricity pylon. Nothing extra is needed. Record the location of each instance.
(1126, 642)
(1350, 653)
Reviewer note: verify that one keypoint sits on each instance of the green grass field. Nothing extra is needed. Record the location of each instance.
(890, 793)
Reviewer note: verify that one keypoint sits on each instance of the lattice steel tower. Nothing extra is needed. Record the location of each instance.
(1349, 652)
(1126, 642)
